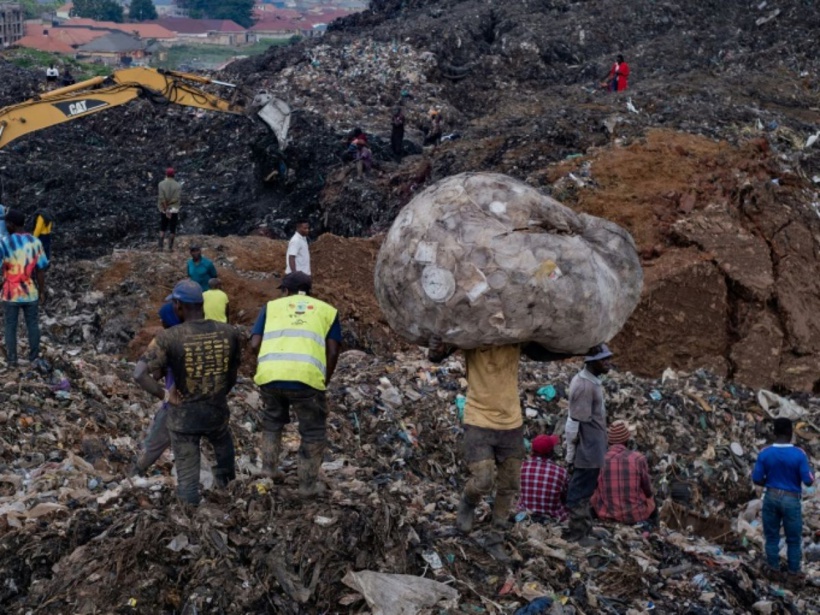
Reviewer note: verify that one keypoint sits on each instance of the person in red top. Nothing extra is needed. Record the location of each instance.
(543, 482)
(618, 76)
(624, 490)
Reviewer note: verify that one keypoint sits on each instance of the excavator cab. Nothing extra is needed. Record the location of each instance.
(159, 86)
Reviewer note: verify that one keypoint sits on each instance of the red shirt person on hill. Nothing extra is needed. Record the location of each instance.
(618, 76)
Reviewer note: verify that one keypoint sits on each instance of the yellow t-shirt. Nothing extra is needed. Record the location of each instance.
(215, 303)
(492, 387)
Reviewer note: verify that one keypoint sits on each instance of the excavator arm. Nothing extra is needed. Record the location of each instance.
(101, 93)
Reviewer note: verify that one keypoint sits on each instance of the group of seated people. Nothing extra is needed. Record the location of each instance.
(624, 492)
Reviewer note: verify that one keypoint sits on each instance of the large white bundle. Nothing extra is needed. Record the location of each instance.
(484, 259)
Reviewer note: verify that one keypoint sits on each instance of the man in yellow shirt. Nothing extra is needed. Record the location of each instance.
(43, 223)
(493, 425)
(216, 302)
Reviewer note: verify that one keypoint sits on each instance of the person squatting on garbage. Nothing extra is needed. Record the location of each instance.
(297, 338)
(493, 441)
(781, 468)
(624, 491)
(586, 439)
(24, 285)
(158, 439)
(543, 482)
(204, 357)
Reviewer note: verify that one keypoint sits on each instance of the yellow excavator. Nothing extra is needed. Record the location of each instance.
(160, 86)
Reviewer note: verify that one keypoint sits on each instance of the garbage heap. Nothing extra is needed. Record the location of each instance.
(77, 535)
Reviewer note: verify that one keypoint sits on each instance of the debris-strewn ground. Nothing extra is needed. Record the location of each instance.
(78, 537)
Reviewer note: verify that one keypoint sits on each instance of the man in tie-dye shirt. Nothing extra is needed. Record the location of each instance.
(24, 284)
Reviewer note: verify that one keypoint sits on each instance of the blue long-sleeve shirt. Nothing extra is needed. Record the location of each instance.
(782, 466)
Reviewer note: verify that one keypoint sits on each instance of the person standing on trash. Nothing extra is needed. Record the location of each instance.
(397, 132)
(204, 357)
(216, 302)
(169, 201)
(493, 441)
(624, 491)
(618, 76)
(781, 468)
(200, 269)
(543, 482)
(586, 438)
(364, 159)
(296, 339)
(158, 439)
(298, 254)
(51, 77)
(24, 285)
(43, 225)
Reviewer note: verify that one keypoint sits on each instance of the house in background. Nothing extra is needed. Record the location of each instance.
(11, 24)
(114, 48)
(205, 31)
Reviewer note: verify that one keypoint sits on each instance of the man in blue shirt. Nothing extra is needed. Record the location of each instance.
(200, 269)
(781, 468)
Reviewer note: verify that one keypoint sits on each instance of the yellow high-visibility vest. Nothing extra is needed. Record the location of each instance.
(293, 343)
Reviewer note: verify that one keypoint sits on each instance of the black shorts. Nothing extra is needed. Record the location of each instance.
(168, 224)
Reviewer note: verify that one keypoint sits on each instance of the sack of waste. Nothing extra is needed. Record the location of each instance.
(483, 259)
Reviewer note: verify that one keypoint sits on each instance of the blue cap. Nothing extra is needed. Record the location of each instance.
(598, 353)
(186, 291)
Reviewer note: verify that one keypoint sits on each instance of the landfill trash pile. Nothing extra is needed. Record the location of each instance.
(482, 259)
(78, 536)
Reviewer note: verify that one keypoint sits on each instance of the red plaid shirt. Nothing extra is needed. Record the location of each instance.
(624, 491)
(543, 488)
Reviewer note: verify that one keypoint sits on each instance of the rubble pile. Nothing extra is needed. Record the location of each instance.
(79, 536)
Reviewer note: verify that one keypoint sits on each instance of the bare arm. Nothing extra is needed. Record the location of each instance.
(292, 263)
(437, 350)
(228, 313)
(147, 382)
(332, 348)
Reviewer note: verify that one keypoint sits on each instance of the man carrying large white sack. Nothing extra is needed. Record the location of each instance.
(493, 425)
(485, 263)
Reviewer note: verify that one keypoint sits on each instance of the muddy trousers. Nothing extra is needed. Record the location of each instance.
(310, 408)
(156, 440)
(494, 458)
(187, 460)
(582, 485)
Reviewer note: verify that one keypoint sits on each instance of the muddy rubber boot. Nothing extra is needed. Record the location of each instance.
(501, 511)
(310, 461)
(580, 522)
(171, 243)
(161, 244)
(271, 451)
(465, 516)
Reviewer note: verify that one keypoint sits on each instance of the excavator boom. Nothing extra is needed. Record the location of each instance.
(101, 93)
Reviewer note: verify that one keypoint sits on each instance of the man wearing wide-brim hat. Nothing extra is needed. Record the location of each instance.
(586, 438)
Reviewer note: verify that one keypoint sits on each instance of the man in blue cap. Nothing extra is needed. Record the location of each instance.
(586, 438)
(203, 356)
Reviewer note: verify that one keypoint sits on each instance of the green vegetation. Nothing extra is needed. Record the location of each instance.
(101, 10)
(142, 10)
(188, 57)
(33, 10)
(40, 60)
(241, 11)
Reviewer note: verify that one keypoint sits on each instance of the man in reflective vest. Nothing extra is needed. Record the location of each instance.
(298, 339)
